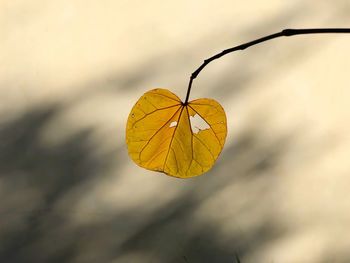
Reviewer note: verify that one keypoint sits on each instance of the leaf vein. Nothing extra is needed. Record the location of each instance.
(158, 132)
(151, 113)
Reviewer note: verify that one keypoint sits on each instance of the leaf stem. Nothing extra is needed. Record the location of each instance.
(283, 33)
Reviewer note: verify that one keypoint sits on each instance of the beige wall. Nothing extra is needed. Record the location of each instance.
(71, 70)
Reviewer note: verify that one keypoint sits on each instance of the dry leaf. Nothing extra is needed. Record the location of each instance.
(164, 135)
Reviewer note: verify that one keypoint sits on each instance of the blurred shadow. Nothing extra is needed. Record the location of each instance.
(37, 177)
(34, 178)
(174, 235)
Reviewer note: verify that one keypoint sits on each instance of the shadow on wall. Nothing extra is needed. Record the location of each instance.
(36, 177)
(176, 235)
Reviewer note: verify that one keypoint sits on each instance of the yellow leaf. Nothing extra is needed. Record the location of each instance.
(164, 135)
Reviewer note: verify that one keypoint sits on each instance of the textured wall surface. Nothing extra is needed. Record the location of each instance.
(70, 71)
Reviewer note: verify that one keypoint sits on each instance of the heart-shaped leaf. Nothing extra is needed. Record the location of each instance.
(165, 135)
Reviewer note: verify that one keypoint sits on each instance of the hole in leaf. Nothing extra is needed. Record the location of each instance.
(173, 124)
(198, 124)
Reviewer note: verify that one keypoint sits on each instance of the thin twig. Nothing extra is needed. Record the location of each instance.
(283, 33)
